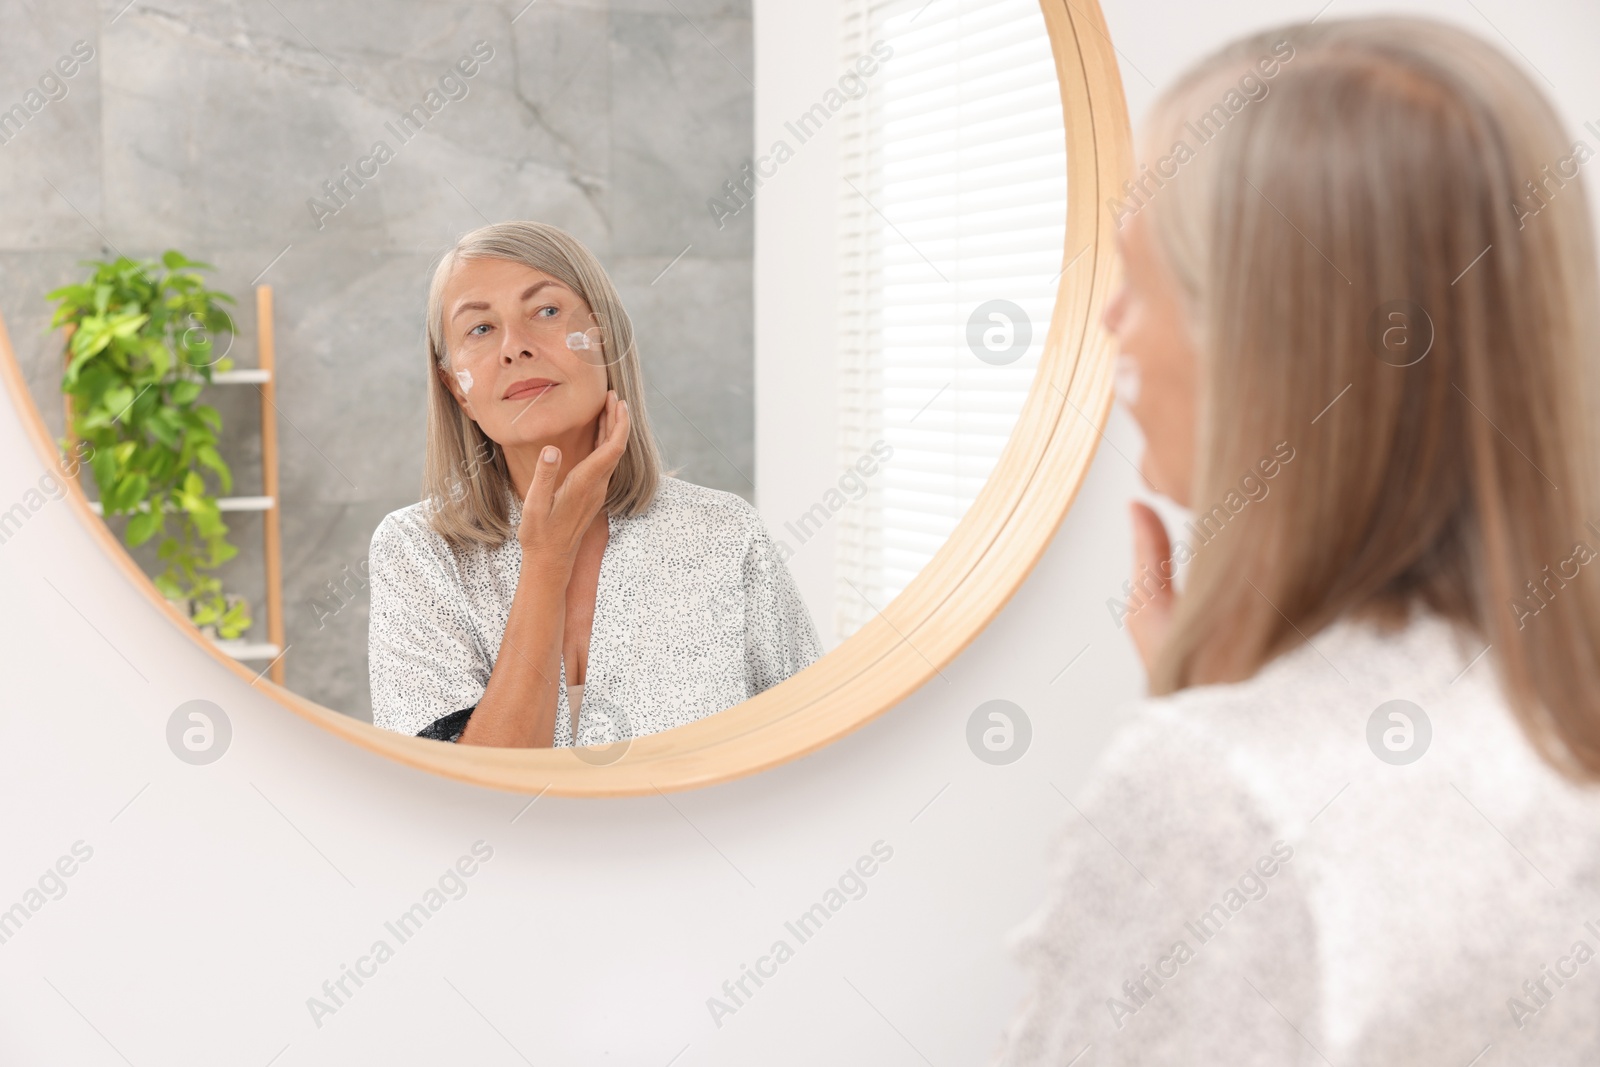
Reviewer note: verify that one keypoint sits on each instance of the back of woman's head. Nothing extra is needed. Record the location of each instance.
(1389, 263)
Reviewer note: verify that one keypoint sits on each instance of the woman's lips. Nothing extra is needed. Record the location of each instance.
(533, 387)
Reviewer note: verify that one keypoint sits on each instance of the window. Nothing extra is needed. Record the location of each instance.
(953, 200)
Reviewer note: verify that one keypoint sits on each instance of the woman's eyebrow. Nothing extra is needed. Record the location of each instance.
(527, 294)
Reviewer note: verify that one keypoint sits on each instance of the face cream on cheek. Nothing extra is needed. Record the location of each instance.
(464, 378)
(1126, 381)
(578, 341)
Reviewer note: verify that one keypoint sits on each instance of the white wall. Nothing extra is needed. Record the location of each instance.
(221, 897)
(796, 291)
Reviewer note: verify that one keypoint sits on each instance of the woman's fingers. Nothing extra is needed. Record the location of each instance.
(1151, 546)
(595, 468)
(613, 434)
(558, 516)
(584, 490)
(1150, 607)
(541, 492)
(604, 426)
(617, 439)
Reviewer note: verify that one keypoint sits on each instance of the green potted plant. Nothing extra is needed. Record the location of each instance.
(143, 345)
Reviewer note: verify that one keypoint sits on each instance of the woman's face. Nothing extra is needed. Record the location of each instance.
(1157, 364)
(526, 359)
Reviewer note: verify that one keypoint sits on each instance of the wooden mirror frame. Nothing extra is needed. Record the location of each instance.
(968, 581)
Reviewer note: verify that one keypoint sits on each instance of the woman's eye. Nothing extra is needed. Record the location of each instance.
(474, 331)
(551, 308)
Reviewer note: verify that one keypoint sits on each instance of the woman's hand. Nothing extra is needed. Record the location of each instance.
(518, 707)
(554, 519)
(1152, 550)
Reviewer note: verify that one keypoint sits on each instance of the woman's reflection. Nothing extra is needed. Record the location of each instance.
(553, 573)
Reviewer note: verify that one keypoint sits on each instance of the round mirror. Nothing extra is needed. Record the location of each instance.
(281, 322)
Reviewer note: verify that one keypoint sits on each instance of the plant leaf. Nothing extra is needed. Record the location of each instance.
(128, 324)
(235, 621)
(209, 457)
(143, 526)
(183, 393)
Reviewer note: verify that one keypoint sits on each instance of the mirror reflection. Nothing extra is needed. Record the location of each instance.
(553, 569)
(311, 309)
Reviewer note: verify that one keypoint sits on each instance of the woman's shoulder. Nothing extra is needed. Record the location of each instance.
(1353, 701)
(410, 520)
(681, 503)
(677, 492)
(1193, 780)
(408, 531)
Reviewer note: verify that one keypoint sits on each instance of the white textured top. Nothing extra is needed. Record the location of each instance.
(694, 613)
(1272, 892)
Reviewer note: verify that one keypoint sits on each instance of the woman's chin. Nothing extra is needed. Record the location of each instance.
(528, 430)
(1157, 481)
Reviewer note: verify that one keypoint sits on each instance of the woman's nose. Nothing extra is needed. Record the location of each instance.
(1111, 318)
(516, 346)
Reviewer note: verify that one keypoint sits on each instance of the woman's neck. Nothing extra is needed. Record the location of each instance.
(523, 459)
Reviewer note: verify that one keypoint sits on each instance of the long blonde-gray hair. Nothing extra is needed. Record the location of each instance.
(465, 479)
(1393, 159)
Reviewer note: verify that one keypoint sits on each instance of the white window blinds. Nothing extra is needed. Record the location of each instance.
(954, 195)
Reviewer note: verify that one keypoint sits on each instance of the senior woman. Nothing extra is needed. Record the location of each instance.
(1357, 822)
(555, 587)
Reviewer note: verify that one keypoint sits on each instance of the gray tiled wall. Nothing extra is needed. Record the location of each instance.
(207, 126)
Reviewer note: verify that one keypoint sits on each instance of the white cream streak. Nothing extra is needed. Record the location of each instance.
(1126, 381)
